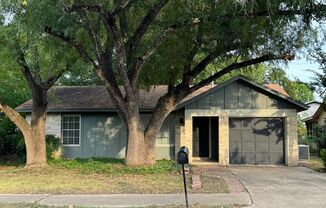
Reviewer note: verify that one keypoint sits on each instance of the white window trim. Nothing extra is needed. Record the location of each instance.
(71, 145)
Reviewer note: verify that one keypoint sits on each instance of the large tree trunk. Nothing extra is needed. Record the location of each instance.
(35, 143)
(136, 148)
(34, 134)
(141, 143)
(135, 154)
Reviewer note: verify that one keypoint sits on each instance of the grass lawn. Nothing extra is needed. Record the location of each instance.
(24, 205)
(315, 163)
(100, 176)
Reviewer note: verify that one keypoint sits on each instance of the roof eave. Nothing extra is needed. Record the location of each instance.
(145, 110)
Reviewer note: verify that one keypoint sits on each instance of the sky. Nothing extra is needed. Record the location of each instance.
(302, 69)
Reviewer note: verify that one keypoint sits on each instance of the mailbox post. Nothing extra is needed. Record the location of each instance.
(183, 158)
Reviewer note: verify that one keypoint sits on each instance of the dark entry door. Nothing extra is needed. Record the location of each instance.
(200, 136)
(205, 137)
(256, 140)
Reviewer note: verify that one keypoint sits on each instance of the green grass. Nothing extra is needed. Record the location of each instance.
(114, 166)
(315, 163)
(28, 205)
(101, 176)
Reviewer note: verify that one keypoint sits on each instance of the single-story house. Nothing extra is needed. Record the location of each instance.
(313, 116)
(236, 122)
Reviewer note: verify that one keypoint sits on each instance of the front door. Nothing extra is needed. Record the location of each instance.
(205, 138)
(195, 140)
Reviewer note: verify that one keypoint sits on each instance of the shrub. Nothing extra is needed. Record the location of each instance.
(323, 156)
(318, 137)
(11, 140)
(52, 145)
(12, 144)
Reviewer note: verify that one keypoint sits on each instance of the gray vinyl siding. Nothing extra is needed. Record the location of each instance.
(105, 135)
(238, 96)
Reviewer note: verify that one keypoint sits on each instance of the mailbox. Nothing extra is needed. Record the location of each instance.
(182, 156)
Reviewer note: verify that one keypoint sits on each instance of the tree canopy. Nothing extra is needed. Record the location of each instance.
(136, 43)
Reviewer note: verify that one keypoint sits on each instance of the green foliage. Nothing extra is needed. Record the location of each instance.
(256, 72)
(254, 36)
(53, 144)
(318, 137)
(11, 140)
(12, 144)
(295, 88)
(323, 156)
(114, 166)
(302, 131)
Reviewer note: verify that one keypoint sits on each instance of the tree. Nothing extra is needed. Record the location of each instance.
(130, 42)
(297, 89)
(13, 82)
(31, 54)
(79, 75)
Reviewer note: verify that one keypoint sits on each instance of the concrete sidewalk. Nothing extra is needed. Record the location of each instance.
(127, 200)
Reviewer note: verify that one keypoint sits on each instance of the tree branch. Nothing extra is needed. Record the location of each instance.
(94, 35)
(239, 65)
(25, 69)
(15, 117)
(134, 41)
(77, 45)
(49, 82)
(141, 61)
(191, 55)
(83, 7)
(123, 7)
(121, 54)
(123, 24)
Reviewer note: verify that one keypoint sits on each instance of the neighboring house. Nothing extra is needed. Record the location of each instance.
(315, 115)
(237, 122)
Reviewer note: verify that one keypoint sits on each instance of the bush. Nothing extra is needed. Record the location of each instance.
(323, 156)
(12, 144)
(52, 145)
(11, 140)
(318, 138)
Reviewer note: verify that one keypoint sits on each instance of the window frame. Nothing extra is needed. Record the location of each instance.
(71, 115)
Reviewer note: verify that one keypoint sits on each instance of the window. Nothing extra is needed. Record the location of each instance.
(71, 130)
(311, 128)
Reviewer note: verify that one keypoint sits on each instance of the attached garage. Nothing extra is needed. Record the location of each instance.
(256, 141)
(255, 124)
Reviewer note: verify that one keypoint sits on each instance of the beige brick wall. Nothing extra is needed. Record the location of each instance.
(289, 115)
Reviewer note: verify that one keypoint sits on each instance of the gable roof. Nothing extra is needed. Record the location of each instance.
(277, 88)
(86, 98)
(275, 91)
(314, 110)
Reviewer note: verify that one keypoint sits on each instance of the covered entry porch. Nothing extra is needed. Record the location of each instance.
(205, 139)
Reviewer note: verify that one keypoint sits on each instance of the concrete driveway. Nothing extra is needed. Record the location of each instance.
(283, 186)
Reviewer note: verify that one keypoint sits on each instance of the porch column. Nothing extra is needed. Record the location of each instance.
(223, 140)
(187, 140)
(291, 140)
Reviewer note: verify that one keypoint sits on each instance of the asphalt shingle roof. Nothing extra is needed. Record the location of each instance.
(96, 98)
